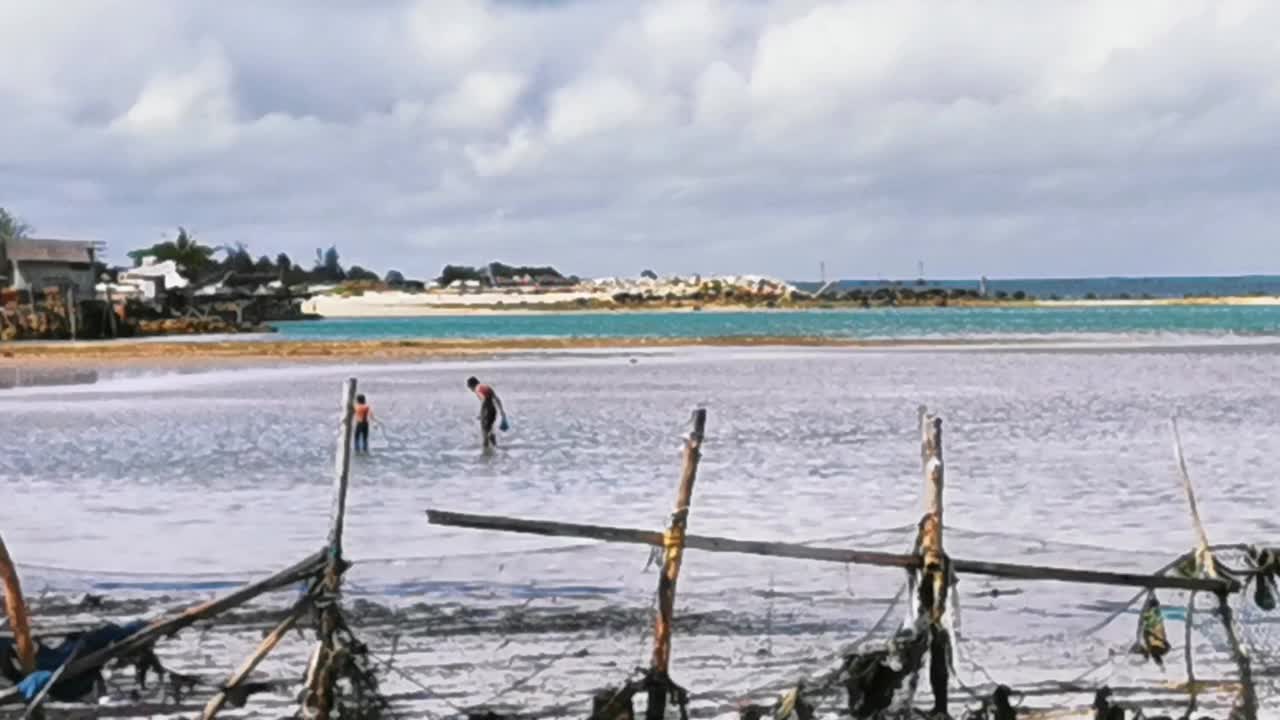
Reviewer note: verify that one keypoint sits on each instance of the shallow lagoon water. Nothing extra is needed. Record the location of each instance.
(165, 483)
(862, 323)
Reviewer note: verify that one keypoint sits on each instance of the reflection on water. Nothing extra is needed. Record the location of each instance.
(16, 377)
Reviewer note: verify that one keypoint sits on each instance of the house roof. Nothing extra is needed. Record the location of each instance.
(43, 250)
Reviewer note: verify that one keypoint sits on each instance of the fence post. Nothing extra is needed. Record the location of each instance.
(73, 312)
(1208, 567)
(321, 690)
(673, 542)
(936, 575)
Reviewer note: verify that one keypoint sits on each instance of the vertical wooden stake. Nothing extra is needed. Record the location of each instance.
(936, 574)
(674, 542)
(73, 312)
(1208, 566)
(322, 686)
(15, 608)
(342, 471)
(1188, 652)
(111, 314)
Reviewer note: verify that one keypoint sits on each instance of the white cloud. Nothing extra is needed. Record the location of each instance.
(594, 104)
(482, 100)
(185, 100)
(734, 135)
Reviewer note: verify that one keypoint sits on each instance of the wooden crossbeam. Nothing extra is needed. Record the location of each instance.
(824, 554)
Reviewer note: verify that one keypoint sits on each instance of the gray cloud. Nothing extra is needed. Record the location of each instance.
(1003, 138)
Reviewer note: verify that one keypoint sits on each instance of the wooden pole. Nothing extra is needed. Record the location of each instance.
(342, 471)
(934, 558)
(308, 568)
(111, 314)
(322, 686)
(843, 556)
(1188, 653)
(73, 312)
(673, 542)
(217, 702)
(15, 608)
(1208, 567)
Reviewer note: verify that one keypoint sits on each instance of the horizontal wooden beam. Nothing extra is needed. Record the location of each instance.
(837, 555)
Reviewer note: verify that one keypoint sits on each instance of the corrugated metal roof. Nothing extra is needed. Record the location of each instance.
(42, 250)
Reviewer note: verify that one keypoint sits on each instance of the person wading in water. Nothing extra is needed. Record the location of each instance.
(490, 410)
(363, 416)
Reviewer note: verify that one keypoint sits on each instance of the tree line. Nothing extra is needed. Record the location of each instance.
(201, 263)
(206, 263)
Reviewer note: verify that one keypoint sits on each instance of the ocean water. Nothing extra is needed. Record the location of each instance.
(1105, 287)
(157, 483)
(903, 323)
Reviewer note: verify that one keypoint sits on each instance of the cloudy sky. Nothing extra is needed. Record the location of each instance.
(1003, 137)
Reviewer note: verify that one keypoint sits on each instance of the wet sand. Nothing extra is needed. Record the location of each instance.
(183, 351)
(1046, 456)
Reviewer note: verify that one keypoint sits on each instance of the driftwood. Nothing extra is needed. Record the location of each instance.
(674, 546)
(290, 576)
(710, 543)
(15, 608)
(294, 574)
(217, 702)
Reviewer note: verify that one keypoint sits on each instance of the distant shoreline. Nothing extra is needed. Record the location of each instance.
(408, 305)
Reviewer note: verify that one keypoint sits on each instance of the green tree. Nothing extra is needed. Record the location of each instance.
(238, 259)
(329, 266)
(451, 273)
(192, 257)
(12, 227)
(358, 273)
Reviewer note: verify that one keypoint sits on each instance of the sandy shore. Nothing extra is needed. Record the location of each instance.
(198, 351)
(179, 352)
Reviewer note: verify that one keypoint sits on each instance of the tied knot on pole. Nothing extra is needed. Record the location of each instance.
(931, 542)
(673, 538)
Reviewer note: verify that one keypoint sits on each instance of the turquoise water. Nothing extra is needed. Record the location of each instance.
(1104, 287)
(859, 324)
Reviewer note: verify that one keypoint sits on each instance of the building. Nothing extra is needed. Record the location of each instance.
(33, 265)
(152, 279)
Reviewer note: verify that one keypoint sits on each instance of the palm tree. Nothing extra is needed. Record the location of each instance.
(190, 256)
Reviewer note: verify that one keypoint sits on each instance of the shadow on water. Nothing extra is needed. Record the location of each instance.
(18, 377)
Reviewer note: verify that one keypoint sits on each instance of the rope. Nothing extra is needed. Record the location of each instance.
(386, 664)
(673, 538)
(547, 666)
(827, 680)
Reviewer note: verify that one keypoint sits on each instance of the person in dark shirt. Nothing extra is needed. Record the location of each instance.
(490, 410)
